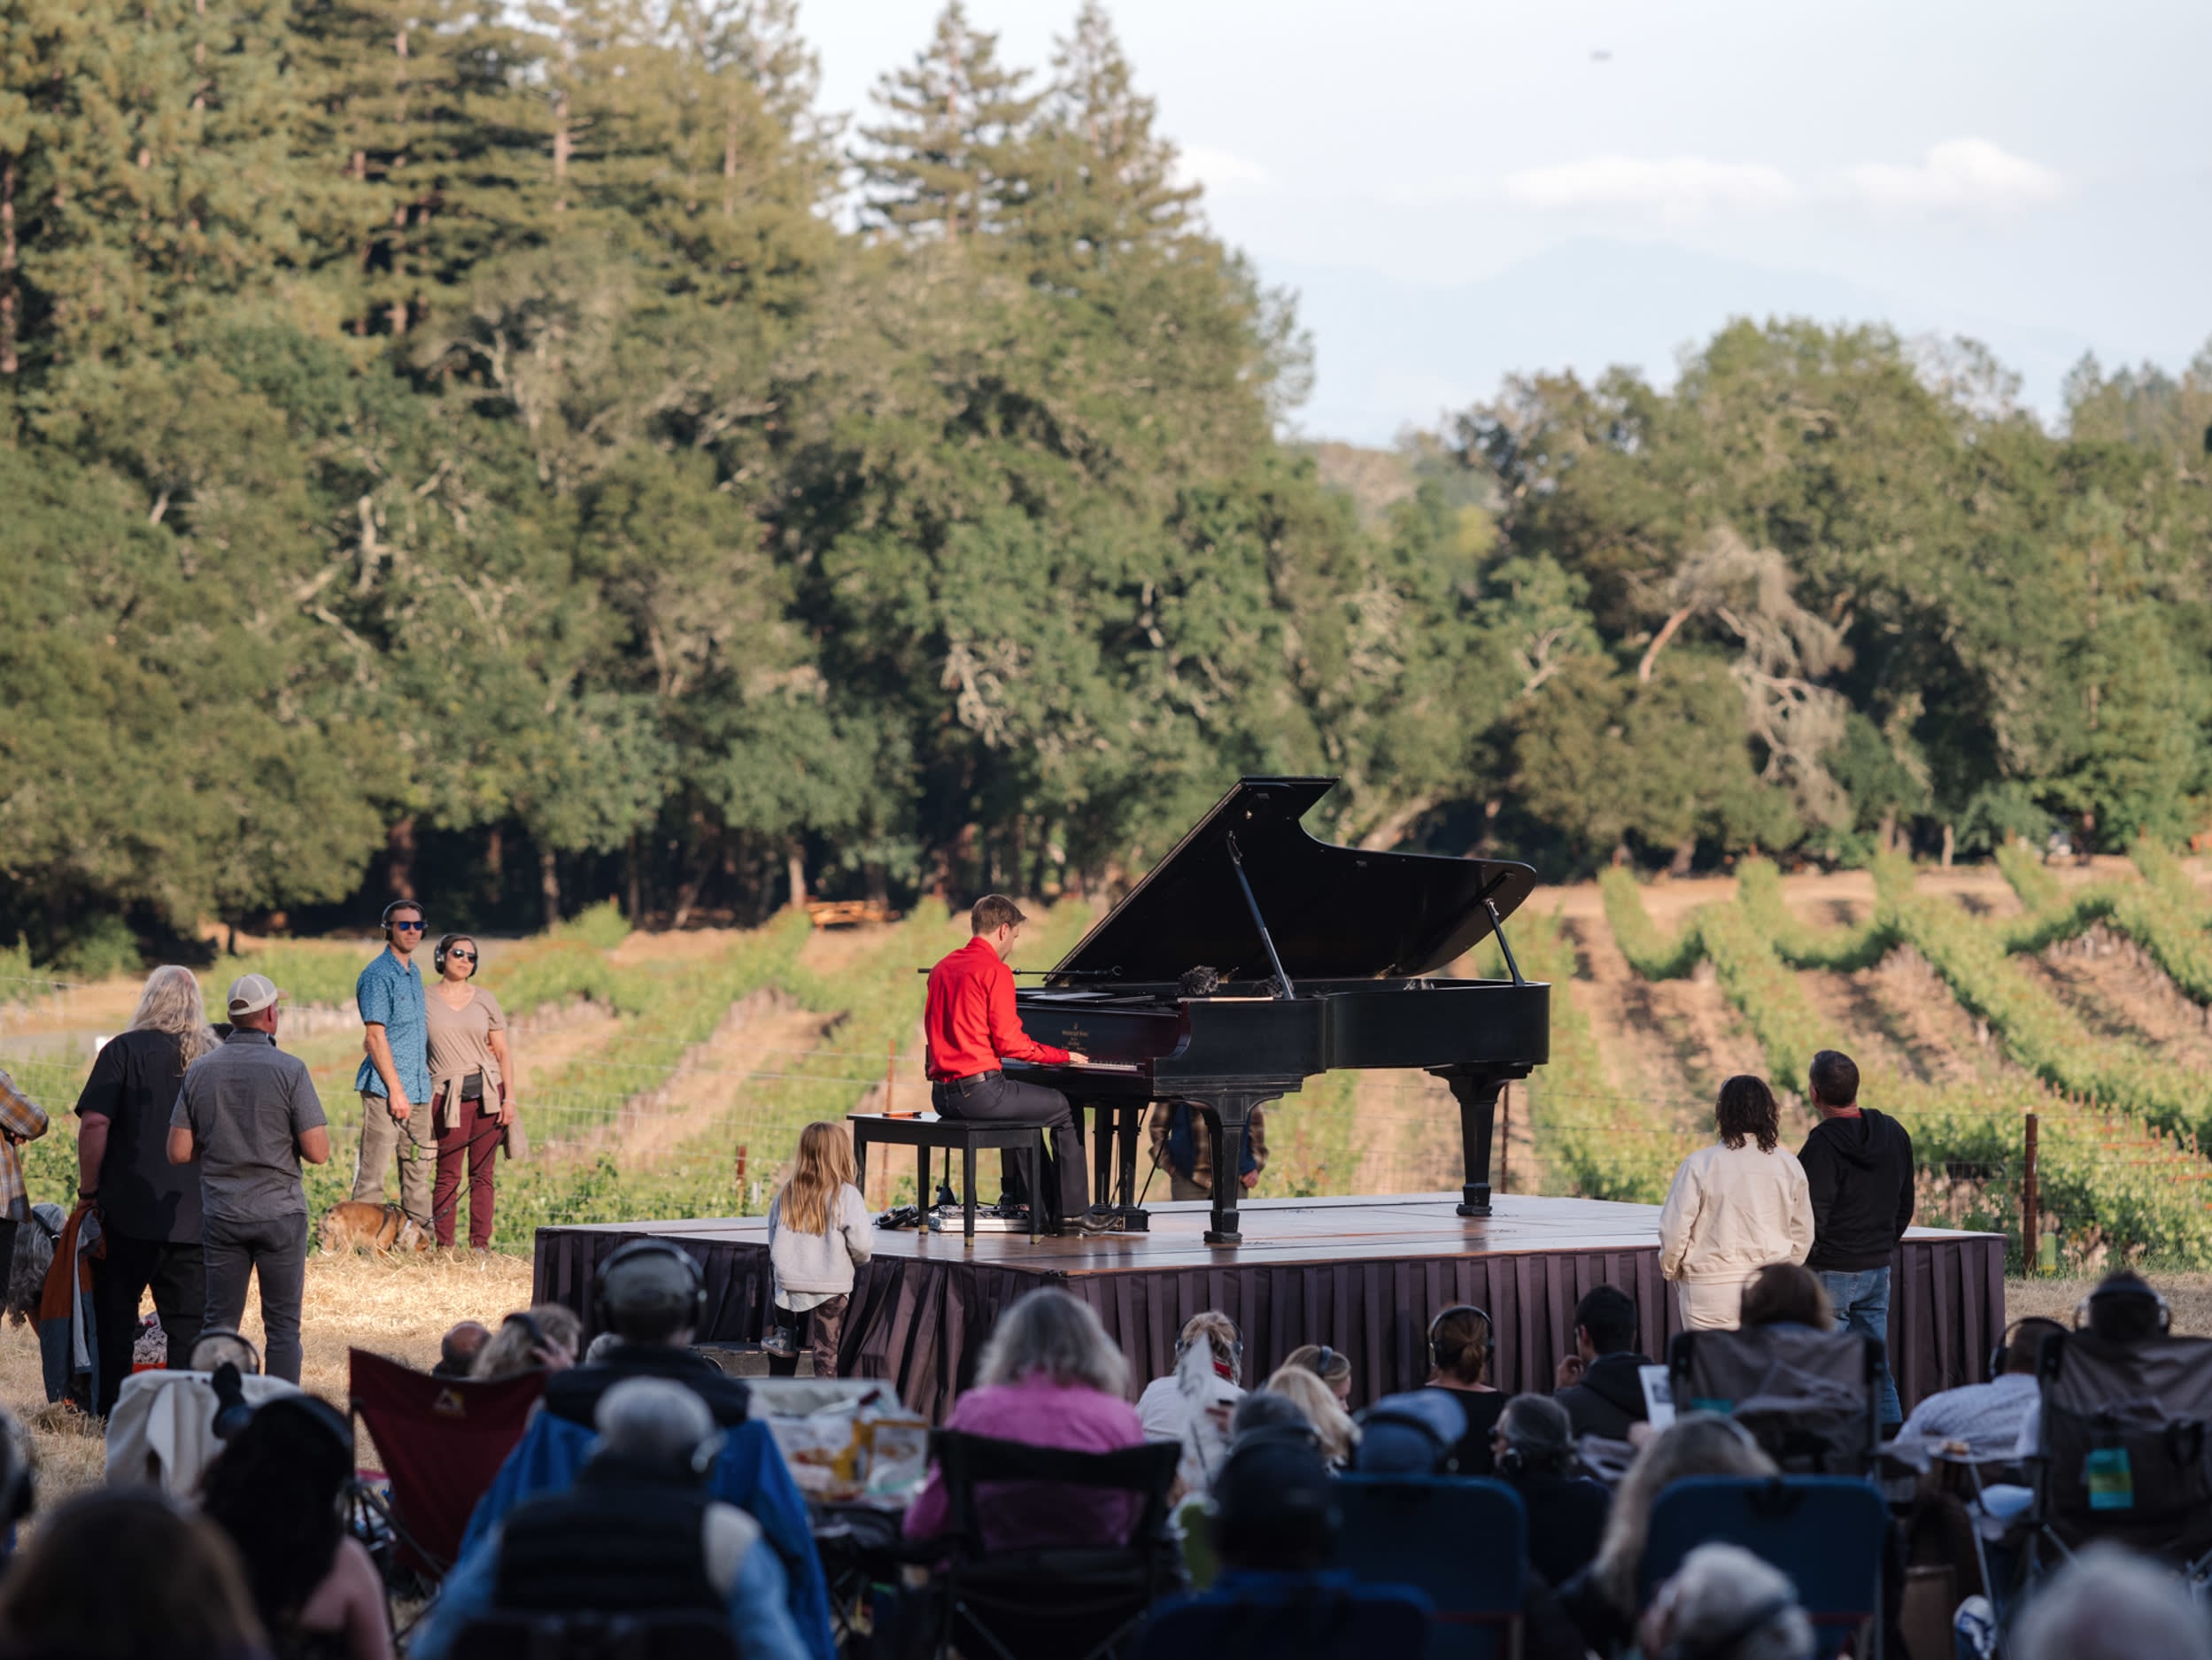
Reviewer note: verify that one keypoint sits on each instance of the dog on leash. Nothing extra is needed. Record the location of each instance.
(357, 1225)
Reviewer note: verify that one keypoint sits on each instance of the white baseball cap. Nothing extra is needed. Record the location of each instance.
(250, 993)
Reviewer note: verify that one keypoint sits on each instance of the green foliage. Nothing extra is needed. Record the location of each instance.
(307, 971)
(1649, 953)
(103, 947)
(1758, 892)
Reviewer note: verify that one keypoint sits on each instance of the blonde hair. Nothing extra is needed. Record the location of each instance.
(1695, 1444)
(1219, 1332)
(512, 1350)
(1308, 1357)
(1305, 1389)
(824, 1166)
(1048, 1331)
(172, 1003)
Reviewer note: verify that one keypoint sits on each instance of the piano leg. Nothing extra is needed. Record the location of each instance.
(1477, 1094)
(1226, 1118)
(1126, 1128)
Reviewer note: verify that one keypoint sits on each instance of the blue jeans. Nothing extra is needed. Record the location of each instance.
(1862, 1297)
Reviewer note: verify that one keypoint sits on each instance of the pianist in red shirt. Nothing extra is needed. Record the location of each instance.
(970, 1026)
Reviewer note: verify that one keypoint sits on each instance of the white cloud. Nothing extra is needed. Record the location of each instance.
(1960, 175)
(1220, 171)
(1670, 187)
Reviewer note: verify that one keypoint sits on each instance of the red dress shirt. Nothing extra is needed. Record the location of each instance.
(968, 1018)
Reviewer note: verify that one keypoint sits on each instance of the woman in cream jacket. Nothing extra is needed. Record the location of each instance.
(1735, 1207)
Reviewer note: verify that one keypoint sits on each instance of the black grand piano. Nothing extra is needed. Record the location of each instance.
(1253, 957)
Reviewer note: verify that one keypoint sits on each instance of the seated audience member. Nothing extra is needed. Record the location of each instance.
(1050, 1376)
(1602, 1599)
(638, 1532)
(1274, 1523)
(601, 1347)
(1262, 1411)
(1598, 1383)
(1985, 1417)
(121, 1573)
(1332, 1366)
(1459, 1354)
(652, 1294)
(1417, 1433)
(1192, 1404)
(1332, 1428)
(217, 1349)
(1533, 1448)
(2109, 1604)
(2125, 1308)
(273, 1490)
(540, 1338)
(1785, 1293)
(1724, 1603)
(457, 1350)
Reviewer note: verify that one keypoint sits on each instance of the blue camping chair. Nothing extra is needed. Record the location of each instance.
(1827, 1532)
(1461, 1541)
(1290, 1617)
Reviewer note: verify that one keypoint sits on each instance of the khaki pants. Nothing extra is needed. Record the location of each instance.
(416, 1142)
(1710, 1305)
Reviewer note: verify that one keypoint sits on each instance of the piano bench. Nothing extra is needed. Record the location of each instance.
(924, 1131)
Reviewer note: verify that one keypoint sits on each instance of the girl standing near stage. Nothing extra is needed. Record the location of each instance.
(1735, 1207)
(817, 1234)
(472, 1091)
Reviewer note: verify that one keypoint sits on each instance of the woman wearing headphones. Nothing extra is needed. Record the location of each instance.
(471, 1104)
(1458, 1354)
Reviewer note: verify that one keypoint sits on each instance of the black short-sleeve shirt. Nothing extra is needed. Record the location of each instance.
(133, 1087)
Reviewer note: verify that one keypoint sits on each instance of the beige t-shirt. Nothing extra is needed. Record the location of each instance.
(461, 1038)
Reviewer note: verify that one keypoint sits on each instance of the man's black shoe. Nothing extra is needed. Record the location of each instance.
(1098, 1221)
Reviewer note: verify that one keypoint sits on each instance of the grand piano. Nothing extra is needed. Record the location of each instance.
(1253, 957)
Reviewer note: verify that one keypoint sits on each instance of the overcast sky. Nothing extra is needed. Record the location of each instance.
(1461, 190)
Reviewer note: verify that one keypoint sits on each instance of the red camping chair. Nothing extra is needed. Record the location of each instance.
(442, 1440)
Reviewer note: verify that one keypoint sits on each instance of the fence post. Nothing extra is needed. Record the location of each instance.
(2030, 1222)
(891, 1077)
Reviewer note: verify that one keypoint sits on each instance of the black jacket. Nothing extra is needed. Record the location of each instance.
(1567, 1519)
(1861, 1173)
(575, 1394)
(1609, 1398)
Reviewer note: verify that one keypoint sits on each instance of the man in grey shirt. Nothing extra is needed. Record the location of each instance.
(248, 1113)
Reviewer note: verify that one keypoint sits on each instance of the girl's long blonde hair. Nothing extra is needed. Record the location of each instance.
(172, 1003)
(1308, 1391)
(823, 1167)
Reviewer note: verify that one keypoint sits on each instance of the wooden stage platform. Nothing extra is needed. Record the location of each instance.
(1363, 1275)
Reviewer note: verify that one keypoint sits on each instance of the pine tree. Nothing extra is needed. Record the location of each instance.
(947, 160)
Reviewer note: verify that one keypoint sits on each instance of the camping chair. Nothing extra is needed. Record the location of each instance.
(1074, 1601)
(2122, 1450)
(1827, 1532)
(1304, 1622)
(1807, 1396)
(442, 1440)
(656, 1636)
(1462, 1539)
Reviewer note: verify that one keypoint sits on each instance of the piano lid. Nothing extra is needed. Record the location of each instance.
(1335, 913)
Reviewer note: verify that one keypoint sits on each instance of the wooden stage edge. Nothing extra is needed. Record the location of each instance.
(1364, 1275)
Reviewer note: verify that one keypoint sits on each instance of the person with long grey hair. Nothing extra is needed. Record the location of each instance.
(1051, 1377)
(150, 1208)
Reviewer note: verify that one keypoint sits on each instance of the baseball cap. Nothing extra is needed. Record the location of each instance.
(250, 993)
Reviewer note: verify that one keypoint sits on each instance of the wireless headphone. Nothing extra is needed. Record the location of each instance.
(1236, 1351)
(1725, 1641)
(636, 1250)
(1323, 1361)
(2165, 1310)
(445, 943)
(1435, 1354)
(384, 921)
(2004, 1342)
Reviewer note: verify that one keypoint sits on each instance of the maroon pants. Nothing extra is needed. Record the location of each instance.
(475, 1142)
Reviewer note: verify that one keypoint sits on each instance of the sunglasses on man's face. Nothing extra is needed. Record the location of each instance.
(406, 927)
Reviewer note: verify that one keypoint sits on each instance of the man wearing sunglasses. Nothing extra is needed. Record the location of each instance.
(395, 1078)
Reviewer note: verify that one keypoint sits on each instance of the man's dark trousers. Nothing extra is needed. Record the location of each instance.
(178, 1274)
(993, 1098)
(276, 1248)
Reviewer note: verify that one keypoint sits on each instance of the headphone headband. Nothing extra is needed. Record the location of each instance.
(1435, 1354)
(632, 1252)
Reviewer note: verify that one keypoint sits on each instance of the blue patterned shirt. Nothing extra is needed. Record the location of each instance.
(390, 995)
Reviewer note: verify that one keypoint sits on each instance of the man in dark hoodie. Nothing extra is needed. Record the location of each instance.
(1599, 1385)
(1859, 1165)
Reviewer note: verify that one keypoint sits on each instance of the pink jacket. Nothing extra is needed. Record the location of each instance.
(1024, 1515)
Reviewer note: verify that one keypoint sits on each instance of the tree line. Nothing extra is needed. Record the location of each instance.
(519, 455)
